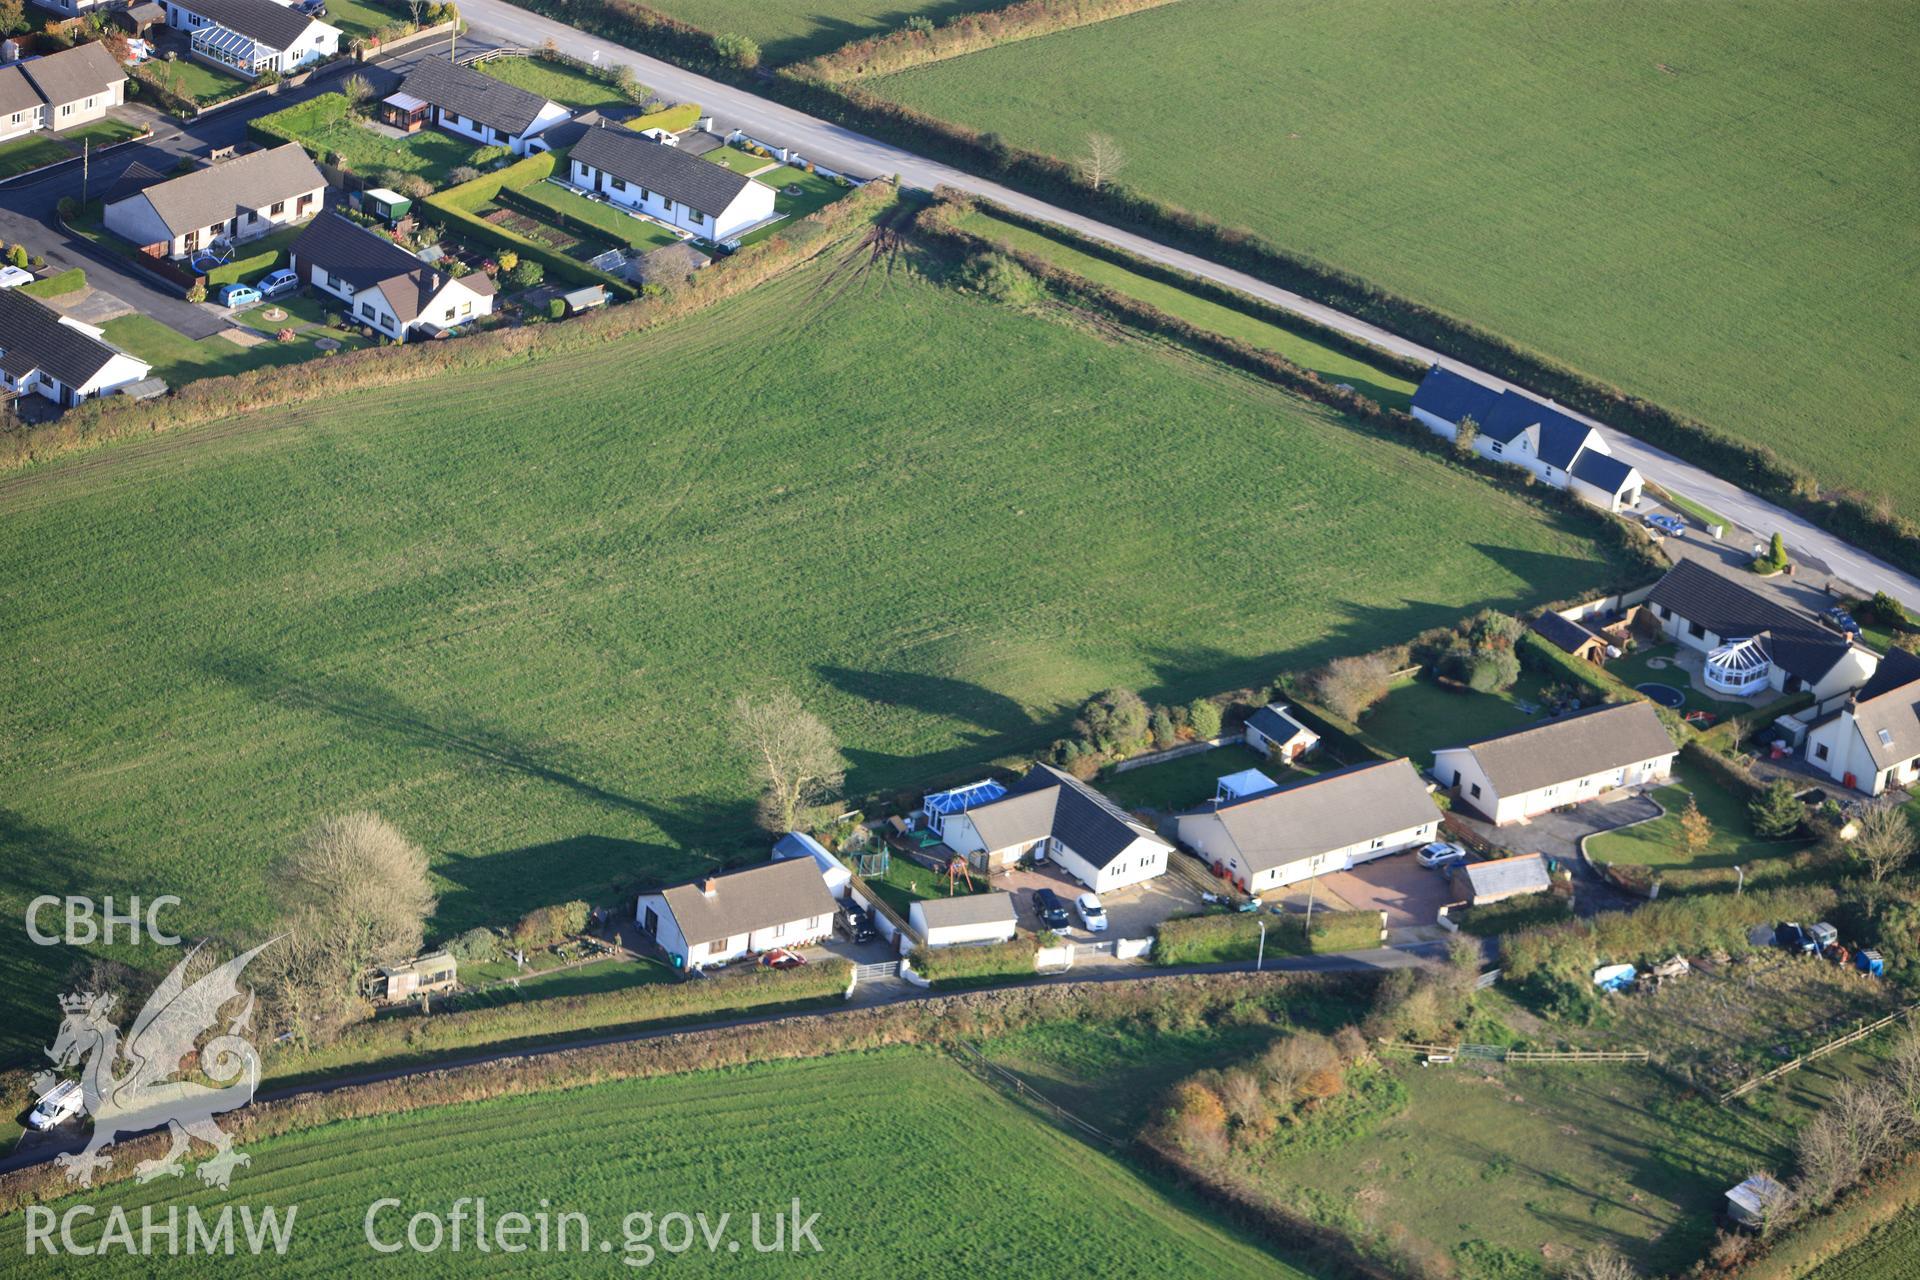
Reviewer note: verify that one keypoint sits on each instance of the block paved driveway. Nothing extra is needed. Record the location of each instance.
(1409, 893)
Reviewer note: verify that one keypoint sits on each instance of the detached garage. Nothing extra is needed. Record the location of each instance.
(952, 922)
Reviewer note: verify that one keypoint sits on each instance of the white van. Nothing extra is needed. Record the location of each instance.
(60, 1103)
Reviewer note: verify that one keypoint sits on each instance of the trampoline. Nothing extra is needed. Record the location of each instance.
(1664, 694)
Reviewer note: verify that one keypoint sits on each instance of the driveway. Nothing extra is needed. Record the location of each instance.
(1133, 912)
(1409, 893)
(1559, 835)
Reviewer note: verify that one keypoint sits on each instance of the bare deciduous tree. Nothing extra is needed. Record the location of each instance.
(1604, 1264)
(1348, 686)
(793, 753)
(1102, 161)
(1884, 844)
(358, 895)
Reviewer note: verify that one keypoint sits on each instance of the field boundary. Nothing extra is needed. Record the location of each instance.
(970, 1056)
(1499, 1053)
(1862, 519)
(1834, 1045)
(906, 48)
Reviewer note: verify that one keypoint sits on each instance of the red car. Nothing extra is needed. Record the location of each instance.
(783, 959)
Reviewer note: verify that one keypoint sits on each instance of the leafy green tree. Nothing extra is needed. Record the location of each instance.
(1160, 725)
(741, 51)
(1777, 813)
(1114, 722)
(1204, 715)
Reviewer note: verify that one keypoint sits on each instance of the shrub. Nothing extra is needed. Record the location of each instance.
(964, 965)
(1114, 722)
(1203, 715)
(1883, 608)
(1348, 686)
(1160, 725)
(475, 946)
(462, 174)
(544, 926)
(17, 256)
(556, 308)
(738, 50)
(528, 274)
(996, 276)
(1777, 813)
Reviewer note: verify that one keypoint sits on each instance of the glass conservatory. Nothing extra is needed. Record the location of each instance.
(1740, 667)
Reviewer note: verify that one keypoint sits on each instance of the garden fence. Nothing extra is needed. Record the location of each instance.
(997, 1074)
(1813, 1055)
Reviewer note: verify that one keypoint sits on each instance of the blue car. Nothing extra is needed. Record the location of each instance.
(238, 295)
(1668, 525)
(1840, 618)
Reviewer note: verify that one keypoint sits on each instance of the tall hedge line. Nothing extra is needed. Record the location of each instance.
(976, 965)
(107, 418)
(966, 33)
(1865, 520)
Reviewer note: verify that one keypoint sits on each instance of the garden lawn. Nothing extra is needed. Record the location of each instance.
(907, 882)
(791, 30)
(180, 359)
(204, 83)
(1179, 785)
(103, 133)
(1417, 717)
(1694, 202)
(816, 192)
(635, 233)
(1387, 387)
(31, 152)
(737, 160)
(1634, 669)
(909, 1162)
(1658, 844)
(429, 153)
(509, 615)
(568, 86)
(359, 19)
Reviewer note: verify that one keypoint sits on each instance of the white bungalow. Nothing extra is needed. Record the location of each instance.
(57, 357)
(1754, 642)
(707, 200)
(1513, 776)
(1873, 742)
(723, 917)
(1048, 811)
(475, 105)
(971, 919)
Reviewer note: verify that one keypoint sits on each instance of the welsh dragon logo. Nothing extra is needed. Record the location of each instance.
(130, 1089)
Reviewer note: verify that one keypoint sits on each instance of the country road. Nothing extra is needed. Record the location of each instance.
(35, 1148)
(844, 149)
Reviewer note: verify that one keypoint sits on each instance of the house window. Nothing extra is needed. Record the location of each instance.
(66, 108)
(696, 217)
(666, 204)
(1695, 630)
(1475, 788)
(466, 308)
(1494, 445)
(279, 207)
(449, 314)
(1819, 751)
(614, 184)
(1660, 611)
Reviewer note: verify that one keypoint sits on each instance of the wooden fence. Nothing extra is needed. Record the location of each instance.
(1498, 1053)
(997, 1074)
(1834, 1045)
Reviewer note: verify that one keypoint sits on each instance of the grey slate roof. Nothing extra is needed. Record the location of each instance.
(1333, 811)
(757, 898)
(1572, 747)
(133, 179)
(700, 184)
(1505, 877)
(72, 74)
(365, 260)
(1273, 721)
(1048, 802)
(32, 337)
(254, 181)
(277, 26)
(1798, 643)
(17, 92)
(1601, 470)
(972, 908)
(508, 108)
(1566, 633)
(1560, 436)
(1890, 703)
(1448, 396)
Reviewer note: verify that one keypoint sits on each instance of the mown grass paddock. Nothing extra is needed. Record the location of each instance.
(507, 608)
(913, 1165)
(1681, 200)
(789, 30)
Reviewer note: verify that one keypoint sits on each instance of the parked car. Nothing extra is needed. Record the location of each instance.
(62, 1102)
(1672, 526)
(238, 295)
(854, 924)
(1092, 913)
(12, 276)
(1051, 911)
(1439, 853)
(1216, 899)
(1823, 935)
(781, 958)
(275, 283)
(1793, 936)
(1841, 619)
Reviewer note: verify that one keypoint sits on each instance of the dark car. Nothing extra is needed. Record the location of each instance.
(1048, 906)
(1791, 936)
(854, 925)
(1842, 620)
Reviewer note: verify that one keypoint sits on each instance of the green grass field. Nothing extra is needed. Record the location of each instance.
(429, 153)
(815, 192)
(1385, 386)
(1691, 201)
(102, 133)
(1890, 1253)
(790, 30)
(568, 86)
(1659, 844)
(1418, 717)
(507, 610)
(737, 160)
(912, 1165)
(205, 83)
(31, 152)
(359, 19)
(1185, 783)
